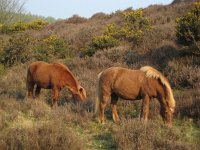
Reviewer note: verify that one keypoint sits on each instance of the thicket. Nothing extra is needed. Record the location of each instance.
(188, 26)
(22, 48)
(51, 47)
(133, 29)
(22, 26)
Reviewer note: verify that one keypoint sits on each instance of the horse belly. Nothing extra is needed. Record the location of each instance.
(127, 92)
(43, 81)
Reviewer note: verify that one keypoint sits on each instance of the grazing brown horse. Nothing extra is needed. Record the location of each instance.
(127, 84)
(52, 76)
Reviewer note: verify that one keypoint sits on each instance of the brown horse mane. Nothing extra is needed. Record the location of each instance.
(70, 73)
(153, 73)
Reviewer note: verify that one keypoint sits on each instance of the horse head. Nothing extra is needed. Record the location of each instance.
(167, 113)
(80, 94)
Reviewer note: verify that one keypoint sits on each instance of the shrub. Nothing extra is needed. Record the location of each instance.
(37, 24)
(52, 47)
(188, 26)
(100, 42)
(17, 27)
(22, 26)
(18, 50)
(134, 27)
(75, 19)
(22, 48)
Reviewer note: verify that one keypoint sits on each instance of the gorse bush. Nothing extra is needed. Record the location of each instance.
(37, 24)
(17, 50)
(22, 26)
(51, 47)
(17, 27)
(22, 48)
(188, 26)
(101, 42)
(133, 28)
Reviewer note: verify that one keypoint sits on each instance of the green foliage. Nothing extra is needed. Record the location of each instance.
(132, 30)
(2, 70)
(52, 47)
(101, 42)
(37, 24)
(22, 48)
(22, 26)
(111, 30)
(135, 26)
(17, 50)
(17, 27)
(188, 26)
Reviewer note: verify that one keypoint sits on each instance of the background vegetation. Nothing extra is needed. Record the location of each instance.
(165, 37)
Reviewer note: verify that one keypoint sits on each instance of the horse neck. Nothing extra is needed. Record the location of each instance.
(71, 82)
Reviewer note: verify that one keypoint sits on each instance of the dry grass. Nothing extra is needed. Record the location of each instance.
(133, 134)
(34, 124)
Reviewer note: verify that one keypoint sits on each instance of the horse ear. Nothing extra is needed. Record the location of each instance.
(80, 89)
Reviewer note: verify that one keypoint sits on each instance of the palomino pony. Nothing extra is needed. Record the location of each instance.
(127, 84)
(53, 76)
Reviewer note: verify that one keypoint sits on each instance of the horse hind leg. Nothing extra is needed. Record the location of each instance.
(37, 91)
(145, 108)
(102, 106)
(113, 105)
(30, 87)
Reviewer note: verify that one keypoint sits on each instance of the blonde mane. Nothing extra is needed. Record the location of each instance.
(153, 73)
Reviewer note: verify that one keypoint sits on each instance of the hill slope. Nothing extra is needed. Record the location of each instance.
(34, 124)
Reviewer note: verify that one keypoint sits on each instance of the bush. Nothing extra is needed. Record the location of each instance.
(22, 48)
(17, 27)
(37, 24)
(22, 26)
(52, 47)
(18, 50)
(188, 26)
(101, 42)
(134, 27)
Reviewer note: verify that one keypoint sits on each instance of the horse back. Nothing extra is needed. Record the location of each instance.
(126, 83)
(46, 75)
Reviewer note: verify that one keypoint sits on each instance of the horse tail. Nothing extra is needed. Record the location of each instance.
(27, 81)
(153, 73)
(97, 102)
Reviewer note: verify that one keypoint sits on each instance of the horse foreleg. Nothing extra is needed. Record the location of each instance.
(55, 92)
(145, 108)
(113, 106)
(114, 112)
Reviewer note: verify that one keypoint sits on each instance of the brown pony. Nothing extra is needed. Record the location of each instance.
(52, 76)
(127, 84)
